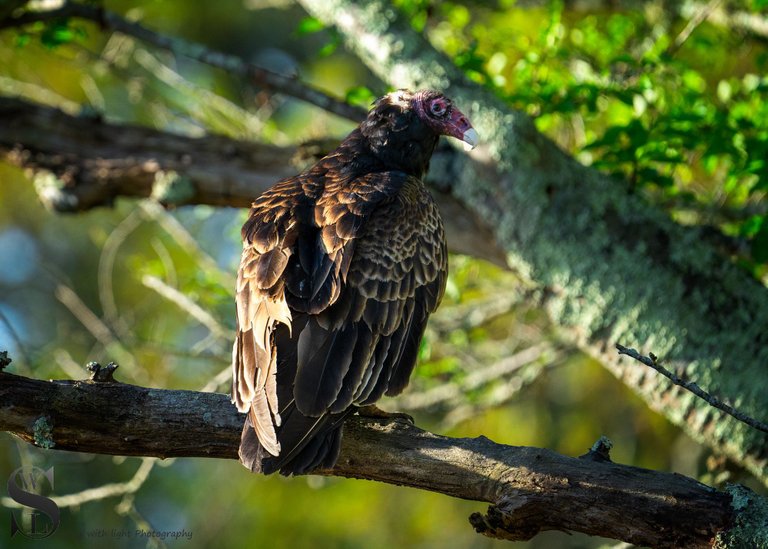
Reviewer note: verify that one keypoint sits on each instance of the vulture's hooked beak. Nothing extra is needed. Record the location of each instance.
(471, 139)
(458, 126)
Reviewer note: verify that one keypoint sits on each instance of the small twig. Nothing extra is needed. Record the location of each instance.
(454, 392)
(174, 228)
(498, 396)
(102, 374)
(99, 330)
(5, 360)
(230, 63)
(476, 313)
(11, 87)
(188, 305)
(101, 492)
(652, 361)
(85, 315)
(20, 348)
(214, 112)
(699, 17)
(68, 364)
(219, 380)
(105, 273)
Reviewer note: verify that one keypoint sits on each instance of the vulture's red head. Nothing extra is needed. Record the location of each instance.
(403, 127)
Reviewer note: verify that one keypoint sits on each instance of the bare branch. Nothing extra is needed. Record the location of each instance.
(653, 362)
(530, 489)
(188, 305)
(233, 65)
(94, 162)
(453, 392)
(102, 492)
(694, 22)
(744, 21)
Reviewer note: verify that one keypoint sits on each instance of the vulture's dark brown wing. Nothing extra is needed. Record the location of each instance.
(359, 266)
(365, 342)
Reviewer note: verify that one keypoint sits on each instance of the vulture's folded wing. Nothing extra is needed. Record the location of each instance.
(391, 276)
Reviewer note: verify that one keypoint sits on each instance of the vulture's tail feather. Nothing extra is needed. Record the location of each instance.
(307, 443)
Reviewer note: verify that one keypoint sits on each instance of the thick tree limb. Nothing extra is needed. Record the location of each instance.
(530, 489)
(94, 162)
(611, 268)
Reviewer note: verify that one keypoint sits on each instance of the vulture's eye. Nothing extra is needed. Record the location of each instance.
(438, 107)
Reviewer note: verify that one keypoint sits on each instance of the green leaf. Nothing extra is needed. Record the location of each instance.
(649, 175)
(360, 95)
(22, 39)
(58, 32)
(760, 244)
(309, 25)
(751, 226)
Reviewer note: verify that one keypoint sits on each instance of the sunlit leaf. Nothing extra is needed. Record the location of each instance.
(360, 95)
(309, 25)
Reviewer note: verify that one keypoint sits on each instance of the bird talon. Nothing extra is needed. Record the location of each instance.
(373, 411)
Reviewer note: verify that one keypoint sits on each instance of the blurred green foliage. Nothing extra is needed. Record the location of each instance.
(683, 120)
(687, 125)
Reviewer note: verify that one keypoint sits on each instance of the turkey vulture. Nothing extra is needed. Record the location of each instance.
(341, 266)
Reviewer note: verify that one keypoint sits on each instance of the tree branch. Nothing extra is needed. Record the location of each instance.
(94, 162)
(232, 64)
(530, 489)
(694, 22)
(652, 362)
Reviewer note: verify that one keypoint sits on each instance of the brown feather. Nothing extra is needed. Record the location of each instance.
(269, 267)
(262, 423)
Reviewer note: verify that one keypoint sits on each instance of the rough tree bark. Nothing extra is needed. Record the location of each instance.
(530, 489)
(611, 268)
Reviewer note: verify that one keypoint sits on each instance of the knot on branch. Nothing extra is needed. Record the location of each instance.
(600, 451)
(5, 360)
(52, 192)
(170, 187)
(42, 432)
(102, 374)
(508, 520)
